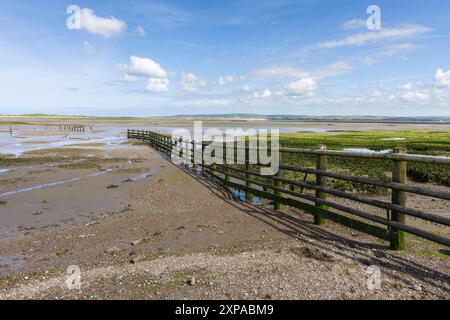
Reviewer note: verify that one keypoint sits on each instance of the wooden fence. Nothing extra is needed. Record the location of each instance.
(282, 191)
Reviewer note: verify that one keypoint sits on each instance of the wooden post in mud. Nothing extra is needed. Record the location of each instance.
(321, 181)
(10, 131)
(399, 169)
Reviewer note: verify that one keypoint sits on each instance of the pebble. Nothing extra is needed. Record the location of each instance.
(417, 288)
(112, 250)
(136, 242)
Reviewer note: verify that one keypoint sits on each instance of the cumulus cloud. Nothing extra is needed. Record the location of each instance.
(89, 48)
(157, 85)
(416, 96)
(303, 87)
(106, 27)
(406, 86)
(263, 94)
(191, 83)
(442, 79)
(227, 80)
(144, 67)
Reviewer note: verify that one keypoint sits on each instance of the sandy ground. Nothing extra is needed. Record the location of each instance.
(146, 229)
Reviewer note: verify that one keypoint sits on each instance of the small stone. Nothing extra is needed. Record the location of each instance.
(112, 186)
(26, 278)
(220, 232)
(417, 288)
(37, 213)
(192, 281)
(112, 250)
(136, 242)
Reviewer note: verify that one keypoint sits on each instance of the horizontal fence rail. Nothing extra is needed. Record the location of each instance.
(282, 191)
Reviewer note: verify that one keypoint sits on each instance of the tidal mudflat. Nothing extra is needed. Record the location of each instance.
(133, 223)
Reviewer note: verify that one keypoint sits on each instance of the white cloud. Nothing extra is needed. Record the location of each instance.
(144, 67)
(332, 70)
(355, 24)
(227, 80)
(303, 87)
(129, 78)
(442, 79)
(157, 85)
(106, 27)
(416, 96)
(388, 51)
(204, 103)
(191, 83)
(246, 88)
(407, 86)
(369, 37)
(280, 72)
(262, 95)
(141, 31)
(88, 48)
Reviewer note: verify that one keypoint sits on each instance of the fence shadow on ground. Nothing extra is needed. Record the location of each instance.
(297, 225)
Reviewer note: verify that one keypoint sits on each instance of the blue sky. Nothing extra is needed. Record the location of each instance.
(309, 57)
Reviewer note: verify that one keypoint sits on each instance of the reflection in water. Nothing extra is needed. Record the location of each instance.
(26, 140)
(4, 170)
(239, 194)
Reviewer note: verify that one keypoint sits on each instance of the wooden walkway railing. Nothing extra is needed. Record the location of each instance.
(391, 228)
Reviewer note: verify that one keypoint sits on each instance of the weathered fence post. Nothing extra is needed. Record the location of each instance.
(277, 184)
(399, 168)
(225, 166)
(248, 184)
(193, 154)
(321, 164)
